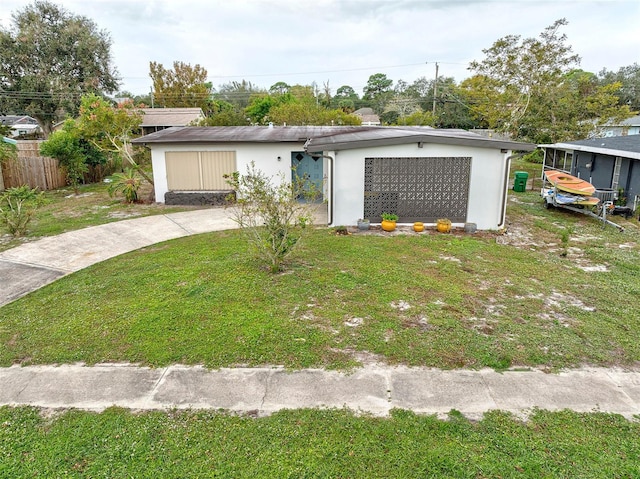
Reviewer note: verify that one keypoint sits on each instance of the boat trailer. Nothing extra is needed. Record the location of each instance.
(558, 199)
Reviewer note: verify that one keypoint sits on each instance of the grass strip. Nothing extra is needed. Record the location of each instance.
(315, 443)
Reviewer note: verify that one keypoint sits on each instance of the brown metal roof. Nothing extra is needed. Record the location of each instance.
(327, 138)
(402, 135)
(242, 134)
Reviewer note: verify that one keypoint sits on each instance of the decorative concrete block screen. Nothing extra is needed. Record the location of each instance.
(417, 189)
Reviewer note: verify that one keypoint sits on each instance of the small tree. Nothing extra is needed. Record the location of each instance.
(110, 129)
(272, 213)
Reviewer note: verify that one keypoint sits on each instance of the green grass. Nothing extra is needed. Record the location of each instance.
(447, 301)
(64, 211)
(315, 443)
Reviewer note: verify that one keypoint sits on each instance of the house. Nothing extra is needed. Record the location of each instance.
(607, 163)
(156, 119)
(367, 116)
(20, 124)
(630, 126)
(419, 173)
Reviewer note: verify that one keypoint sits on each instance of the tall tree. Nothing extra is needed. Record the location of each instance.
(378, 91)
(222, 113)
(346, 99)
(279, 88)
(452, 107)
(49, 59)
(182, 86)
(238, 93)
(524, 69)
(524, 87)
(629, 79)
(403, 102)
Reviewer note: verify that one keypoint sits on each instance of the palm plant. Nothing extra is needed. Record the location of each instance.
(126, 183)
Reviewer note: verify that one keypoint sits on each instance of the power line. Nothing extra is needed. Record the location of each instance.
(318, 72)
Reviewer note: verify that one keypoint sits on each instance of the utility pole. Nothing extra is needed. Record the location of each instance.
(435, 91)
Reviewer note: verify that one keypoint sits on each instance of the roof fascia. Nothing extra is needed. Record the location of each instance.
(594, 149)
(448, 140)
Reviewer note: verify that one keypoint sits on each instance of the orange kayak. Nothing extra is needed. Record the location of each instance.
(571, 184)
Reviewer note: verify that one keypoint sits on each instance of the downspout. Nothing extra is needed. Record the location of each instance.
(330, 178)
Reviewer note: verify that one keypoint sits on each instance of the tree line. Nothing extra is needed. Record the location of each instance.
(529, 88)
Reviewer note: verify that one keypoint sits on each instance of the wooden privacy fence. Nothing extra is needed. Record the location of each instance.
(32, 169)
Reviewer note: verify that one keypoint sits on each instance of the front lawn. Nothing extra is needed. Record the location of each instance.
(315, 443)
(65, 211)
(521, 299)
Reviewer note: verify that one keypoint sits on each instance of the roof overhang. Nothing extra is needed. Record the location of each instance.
(397, 136)
(594, 149)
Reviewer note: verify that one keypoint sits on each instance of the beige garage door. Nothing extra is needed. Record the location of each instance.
(199, 170)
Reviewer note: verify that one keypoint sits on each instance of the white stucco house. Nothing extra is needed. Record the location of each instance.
(419, 173)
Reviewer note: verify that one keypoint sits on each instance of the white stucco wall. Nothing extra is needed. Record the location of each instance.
(487, 190)
(487, 187)
(265, 156)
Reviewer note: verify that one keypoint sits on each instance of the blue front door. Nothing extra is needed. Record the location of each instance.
(308, 167)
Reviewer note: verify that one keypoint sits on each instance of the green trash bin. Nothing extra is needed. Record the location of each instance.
(520, 181)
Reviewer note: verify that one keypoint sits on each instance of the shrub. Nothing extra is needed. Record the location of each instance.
(17, 206)
(127, 183)
(8, 152)
(536, 156)
(64, 145)
(272, 213)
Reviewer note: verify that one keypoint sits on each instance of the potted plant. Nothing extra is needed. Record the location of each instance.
(443, 225)
(363, 224)
(389, 221)
(418, 226)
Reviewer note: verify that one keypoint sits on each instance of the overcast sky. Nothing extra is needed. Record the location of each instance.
(343, 42)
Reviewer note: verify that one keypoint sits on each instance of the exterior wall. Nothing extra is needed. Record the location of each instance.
(487, 188)
(598, 170)
(595, 168)
(265, 156)
(344, 172)
(632, 186)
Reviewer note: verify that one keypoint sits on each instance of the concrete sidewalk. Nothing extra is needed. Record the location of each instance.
(30, 266)
(372, 389)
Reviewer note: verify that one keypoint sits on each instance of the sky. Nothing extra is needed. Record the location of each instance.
(342, 42)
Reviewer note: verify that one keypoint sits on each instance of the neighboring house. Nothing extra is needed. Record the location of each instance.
(607, 163)
(156, 119)
(630, 126)
(20, 124)
(367, 116)
(421, 174)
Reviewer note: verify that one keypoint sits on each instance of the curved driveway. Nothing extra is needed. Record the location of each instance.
(30, 266)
